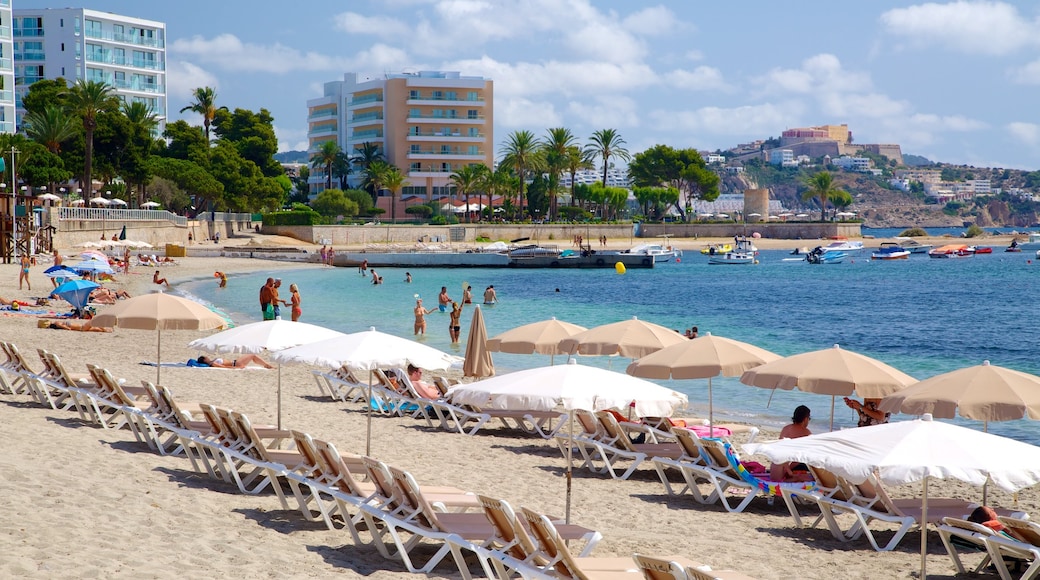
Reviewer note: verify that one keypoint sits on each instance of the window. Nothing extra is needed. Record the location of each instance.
(438, 113)
(118, 56)
(76, 24)
(415, 149)
(445, 149)
(413, 167)
(414, 113)
(472, 114)
(474, 132)
(446, 167)
(437, 95)
(451, 96)
(473, 150)
(453, 114)
(95, 53)
(413, 94)
(472, 96)
(93, 28)
(118, 32)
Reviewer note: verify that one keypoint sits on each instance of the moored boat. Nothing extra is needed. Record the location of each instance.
(660, 253)
(951, 251)
(744, 252)
(713, 249)
(844, 246)
(890, 251)
(820, 256)
(913, 245)
(980, 249)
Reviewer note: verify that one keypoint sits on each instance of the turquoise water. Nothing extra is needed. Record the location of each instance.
(920, 315)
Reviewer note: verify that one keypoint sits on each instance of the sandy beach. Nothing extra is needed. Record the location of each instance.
(83, 502)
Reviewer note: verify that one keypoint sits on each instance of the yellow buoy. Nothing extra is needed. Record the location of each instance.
(619, 267)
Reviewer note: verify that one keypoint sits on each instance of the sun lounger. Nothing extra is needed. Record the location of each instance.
(616, 446)
(552, 550)
(692, 457)
(725, 471)
(679, 568)
(341, 384)
(1024, 546)
(13, 370)
(704, 573)
(114, 408)
(956, 531)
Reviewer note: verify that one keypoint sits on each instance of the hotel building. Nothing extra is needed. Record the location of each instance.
(75, 43)
(7, 109)
(429, 124)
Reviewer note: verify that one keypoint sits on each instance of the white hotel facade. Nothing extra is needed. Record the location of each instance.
(76, 43)
(7, 106)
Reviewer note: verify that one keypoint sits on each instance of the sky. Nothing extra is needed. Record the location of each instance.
(953, 81)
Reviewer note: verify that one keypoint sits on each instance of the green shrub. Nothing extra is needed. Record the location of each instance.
(574, 213)
(974, 231)
(483, 239)
(421, 211)
(913, 233)
(438, 220)
(292, 218)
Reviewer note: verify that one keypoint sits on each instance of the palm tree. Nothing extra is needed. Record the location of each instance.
(607, 143)
(557, 141)
(576, 161)
(205, 104)
(86, 99)
(519, 153)
(466, 180)
(50, 127)
(373, 180)
(364, 157)
(393, 179)
(144, 122)
(821, 186)
(325, 157)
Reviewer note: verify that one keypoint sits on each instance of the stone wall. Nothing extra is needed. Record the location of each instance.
(771, 230)
(460, 233)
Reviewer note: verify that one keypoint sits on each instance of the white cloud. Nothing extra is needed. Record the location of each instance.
(973, 27)
(381, 26)
(291, 139)
(651, 21)
(606, 111)
(604, 40)
(227, 51)
(557, 77)
(750, 120)
(1028, 74)
(869, 105)
(694, 55)
(1027, 133)
(818, 74)
(182, 78)
(702, 78)
(521, 113)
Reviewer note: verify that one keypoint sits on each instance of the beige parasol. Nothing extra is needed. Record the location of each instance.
(629, 338)
(159, 312)
(538, 337)
(478, 361)
(704, 357)
(983, 392)
(831, 371)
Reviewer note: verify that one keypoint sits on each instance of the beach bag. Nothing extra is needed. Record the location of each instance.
(269, 312)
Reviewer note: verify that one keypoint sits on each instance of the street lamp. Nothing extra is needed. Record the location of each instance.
(14, 230)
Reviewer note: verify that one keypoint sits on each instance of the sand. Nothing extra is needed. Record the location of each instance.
(82, 502)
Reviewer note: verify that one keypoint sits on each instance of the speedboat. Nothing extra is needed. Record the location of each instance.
(981, 249)
(744, 252)
(844, 246)
(890, 251)
(659, 253)
(913, 245)
(820, 256)
(951, 251)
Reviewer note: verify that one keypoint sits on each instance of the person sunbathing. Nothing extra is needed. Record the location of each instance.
(239, 363)
(799, 427)
(425, 390)
(157, 279)
(83, 326)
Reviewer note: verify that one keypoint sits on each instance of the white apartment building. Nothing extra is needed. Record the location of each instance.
(858, 164)
(7, 107)
(429, 124)
(715, 158)
(782, 157)
(76, 43)
(920, 175)
(615, 177)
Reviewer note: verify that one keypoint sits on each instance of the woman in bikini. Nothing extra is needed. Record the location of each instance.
(239, 363)
(420, 317)
(295, 300)
(453, 323)
(23, 274)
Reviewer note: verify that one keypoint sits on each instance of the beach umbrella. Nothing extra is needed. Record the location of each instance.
(538, 337)
(267, 336)
(159, 312)
(478, 361)
(122, 234)
(60, 272)
(93, 255)
(94, 266)
(117, 201)
(570, 387)
(629, 338)
(76, 292)
(367, 351)
(48, 197)
(831, 371)
(150, 204)
(137, 244)
(704, 357)
(88, 245)
(910, 451)
(100, 201)
(77, 202)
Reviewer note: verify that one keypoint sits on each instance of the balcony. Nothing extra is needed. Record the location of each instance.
(428, 118)
(27, 32)
(438, 153)
(134, 85)
(5, 32)
(366, 99)
(366, 118)
(322, 130)
(375, 134)
(441, 136)
(323, 114)
(430, 100)
(30, 55)
(6, 65)
(6, 126)
(134, 39)
(6, 97)
(5, 3)
(106, 57)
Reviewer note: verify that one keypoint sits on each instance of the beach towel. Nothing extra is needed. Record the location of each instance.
(165, 364)
(764, 485)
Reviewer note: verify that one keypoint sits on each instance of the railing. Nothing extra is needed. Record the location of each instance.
(414, 133)
(431, 97)
(100, 214)
(5, 31)
(6, 64)
(447, 117)
(105, 57)
(30, 55)
(322, 114)
(154, 42)
(366, 117)
(452, 152)
(221, 216)
(6, 126)
(28, 32)
(366, 99)
(367, 135)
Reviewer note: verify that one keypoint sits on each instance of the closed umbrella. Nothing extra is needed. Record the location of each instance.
(478, 361)
(629, 338)
(266, 336)
(704, 357)
(538, 337)
(571, 387)
(831, 371)
(367, 351)
(910, 451)
(159, 312)
(76, 292)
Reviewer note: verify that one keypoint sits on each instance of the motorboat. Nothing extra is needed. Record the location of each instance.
(657, 251)
(951, 251)
(890, 251)
(1014, 247)
(713, 249)
(820, 256)
(744, 252)
(913, 245)
(980, 249)
(844, 246)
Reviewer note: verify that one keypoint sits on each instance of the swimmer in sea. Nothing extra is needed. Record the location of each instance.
(453, 323)
(443, 300)
(420, 317)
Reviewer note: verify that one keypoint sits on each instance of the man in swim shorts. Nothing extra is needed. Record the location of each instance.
(443, 299)
(489, 295)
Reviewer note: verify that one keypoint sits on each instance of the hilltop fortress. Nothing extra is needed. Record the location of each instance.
(826, 140)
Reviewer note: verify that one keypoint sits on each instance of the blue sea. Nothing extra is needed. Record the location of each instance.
(920, 315)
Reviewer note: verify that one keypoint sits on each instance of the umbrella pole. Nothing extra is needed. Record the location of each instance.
(279, 396)
(158, 357)
(711, 411)
(570, 454)
(924, 528)
(770, 399)
(985, 484)
(368, 430)
(832, 412)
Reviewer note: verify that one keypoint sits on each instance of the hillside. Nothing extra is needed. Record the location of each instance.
(881, 205)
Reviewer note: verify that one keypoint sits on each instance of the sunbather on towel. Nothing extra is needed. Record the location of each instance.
(238, 363)
(83, 326)
(425, 390)
(799, 427)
